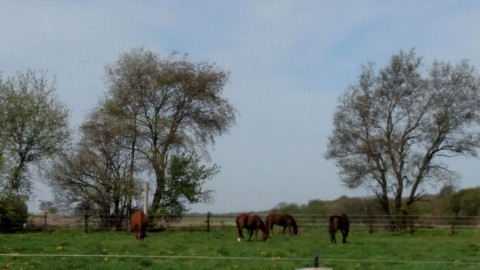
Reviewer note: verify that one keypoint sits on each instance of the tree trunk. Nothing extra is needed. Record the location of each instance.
(159, 190)
(132, 166)
(386, 209)
(117, 215)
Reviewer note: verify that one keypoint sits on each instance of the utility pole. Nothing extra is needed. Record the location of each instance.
(145, 198)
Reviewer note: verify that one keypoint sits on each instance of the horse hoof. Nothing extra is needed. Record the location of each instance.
(238, 239)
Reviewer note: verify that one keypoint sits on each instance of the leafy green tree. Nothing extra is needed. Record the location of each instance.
(34, 127)
(13, 213)
(286, 208)
(184, 184)
(316, 207)
(466, 202)
(169, 106)
(393, 128)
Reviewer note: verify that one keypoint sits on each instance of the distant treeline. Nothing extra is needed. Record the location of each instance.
(465, 202)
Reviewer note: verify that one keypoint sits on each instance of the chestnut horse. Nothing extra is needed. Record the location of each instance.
(338, 223)
(139, 224)
(282, 220)
(251, 223)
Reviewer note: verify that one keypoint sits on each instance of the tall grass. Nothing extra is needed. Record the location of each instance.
(72, 249)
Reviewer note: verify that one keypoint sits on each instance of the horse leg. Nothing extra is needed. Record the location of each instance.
(250, 232)
(240, 235)
(256, 233)
(332, 237)
(344, 234)
(284, 229)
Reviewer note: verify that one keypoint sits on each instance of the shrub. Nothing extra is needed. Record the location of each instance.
(13, 214)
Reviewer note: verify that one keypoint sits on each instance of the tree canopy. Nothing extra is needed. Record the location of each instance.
(394, 128)
(158, 117)
(169, 106)
(34, 127)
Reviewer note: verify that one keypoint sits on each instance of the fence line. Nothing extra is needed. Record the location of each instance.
(210, 221)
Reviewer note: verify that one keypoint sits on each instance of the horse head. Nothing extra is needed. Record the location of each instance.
(265, 234)
(265, 230)
(294, 225)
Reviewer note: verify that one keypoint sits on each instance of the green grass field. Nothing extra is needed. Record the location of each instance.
(70, 249)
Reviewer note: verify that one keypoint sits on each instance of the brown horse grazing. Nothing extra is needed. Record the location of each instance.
(139, 224)
(282, 220)
(251, 223)
(338, 223)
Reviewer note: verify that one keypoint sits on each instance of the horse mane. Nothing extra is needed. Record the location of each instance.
(263, 227)
(292, 220)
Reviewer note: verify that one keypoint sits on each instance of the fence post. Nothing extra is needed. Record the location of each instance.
(44, 220)
(370, 230)
(208, 221)
(86, 220)
(145, 198)
(454, 221)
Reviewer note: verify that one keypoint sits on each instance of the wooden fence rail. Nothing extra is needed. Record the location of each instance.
(210, 221)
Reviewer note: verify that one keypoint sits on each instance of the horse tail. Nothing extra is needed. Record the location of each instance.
(331, 225)
(239, 227)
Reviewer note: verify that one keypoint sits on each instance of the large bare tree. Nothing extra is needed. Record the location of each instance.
(169, 106)
(394, 128)
(96, 173)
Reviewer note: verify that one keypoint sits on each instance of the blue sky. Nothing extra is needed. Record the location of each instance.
(289, 61)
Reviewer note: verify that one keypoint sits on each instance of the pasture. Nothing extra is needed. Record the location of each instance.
(219, 249)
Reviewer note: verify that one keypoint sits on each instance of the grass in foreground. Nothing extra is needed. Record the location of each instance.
(431, 249)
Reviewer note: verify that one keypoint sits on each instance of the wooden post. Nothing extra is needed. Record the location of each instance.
(208, 221)
(370, 230)
(86, 222)
(44, 220)
(145, 198)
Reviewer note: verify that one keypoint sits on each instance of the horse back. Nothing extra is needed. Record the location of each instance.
(276, 219)
(271, 219)
(255, 221)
